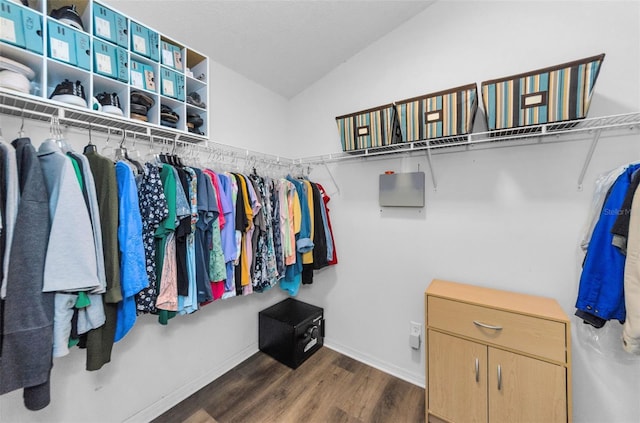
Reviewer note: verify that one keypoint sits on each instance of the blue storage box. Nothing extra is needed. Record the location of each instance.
(83, 50)
(32, 25)
(122, 57)
(171, 55)
(168, 83)
(11, 23)
(180, 86)
(105, 59)
(144, 41)
(110, 25)
(20, 26)
(62, 42)
(142, 76)
(171, 83)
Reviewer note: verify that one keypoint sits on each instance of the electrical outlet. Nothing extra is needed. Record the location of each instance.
(416, 328)
(415, 332)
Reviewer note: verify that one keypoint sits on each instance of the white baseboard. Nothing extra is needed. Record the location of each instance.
(166, 402)
(392, 369)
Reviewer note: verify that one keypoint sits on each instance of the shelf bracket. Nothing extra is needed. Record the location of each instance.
(335, 184)
(592, 148)
(431, 169)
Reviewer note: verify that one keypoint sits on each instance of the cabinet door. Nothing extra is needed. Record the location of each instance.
(457, 379)
(523, 389)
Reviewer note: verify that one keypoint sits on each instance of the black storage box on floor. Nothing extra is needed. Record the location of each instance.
(291, 331)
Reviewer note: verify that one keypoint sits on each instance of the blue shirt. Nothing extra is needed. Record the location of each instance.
(133, 273)
(601, 291)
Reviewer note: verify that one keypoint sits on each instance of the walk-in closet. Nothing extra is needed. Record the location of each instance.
(319, 211)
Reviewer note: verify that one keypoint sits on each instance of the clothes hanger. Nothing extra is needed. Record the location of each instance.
(121, 151)
(107, 147)
(21, 131)
(91, 147)
(60, 139)
(174, 158)
(151, 156)
(136, 163)
(163, 156)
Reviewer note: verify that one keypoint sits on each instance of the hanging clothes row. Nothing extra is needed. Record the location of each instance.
(610, 280)
(90, 242)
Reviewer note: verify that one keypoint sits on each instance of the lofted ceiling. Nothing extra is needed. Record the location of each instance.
(284, 46)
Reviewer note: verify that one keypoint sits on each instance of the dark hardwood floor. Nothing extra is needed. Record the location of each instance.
(329, 387)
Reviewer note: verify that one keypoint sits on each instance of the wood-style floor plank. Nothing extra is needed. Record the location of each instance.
(328, 387)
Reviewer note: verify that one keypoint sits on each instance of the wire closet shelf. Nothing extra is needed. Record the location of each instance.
(581, 129)
(34, 108)
(31, 107)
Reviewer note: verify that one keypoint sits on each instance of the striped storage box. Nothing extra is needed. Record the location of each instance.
(443, 114)
(553, 94)
(377, 127)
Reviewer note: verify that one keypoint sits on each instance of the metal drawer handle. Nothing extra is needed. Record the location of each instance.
(499, 377)
(484, 325)
(477, 370)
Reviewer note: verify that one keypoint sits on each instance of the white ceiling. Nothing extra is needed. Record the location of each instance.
(284, 46)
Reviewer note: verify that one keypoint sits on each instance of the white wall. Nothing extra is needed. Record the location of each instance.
(156, 366)
(507, 218)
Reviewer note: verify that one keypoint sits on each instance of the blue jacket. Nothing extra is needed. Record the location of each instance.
(601, 291)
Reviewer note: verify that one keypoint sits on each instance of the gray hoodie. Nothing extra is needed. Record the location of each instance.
(27, 340)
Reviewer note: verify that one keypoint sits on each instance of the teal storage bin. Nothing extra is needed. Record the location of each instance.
(144, 41)
(21, 26)
(171, 55)
(105, 59)
(142, 76)
(180, 86)
(62, 42)
(11, 20)
(83, 50)
(32, 26)
(110, 26)
(122, 57)
(168, 83)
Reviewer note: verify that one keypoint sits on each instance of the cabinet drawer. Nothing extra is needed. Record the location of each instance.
(532, 335)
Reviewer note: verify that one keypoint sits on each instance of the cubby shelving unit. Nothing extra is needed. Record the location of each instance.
(114, 54)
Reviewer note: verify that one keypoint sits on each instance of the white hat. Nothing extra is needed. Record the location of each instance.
(14, 81)
(12, 65)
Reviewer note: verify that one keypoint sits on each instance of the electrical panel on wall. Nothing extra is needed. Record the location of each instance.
(401, 189)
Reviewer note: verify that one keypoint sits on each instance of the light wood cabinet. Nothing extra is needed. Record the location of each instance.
(495, 356)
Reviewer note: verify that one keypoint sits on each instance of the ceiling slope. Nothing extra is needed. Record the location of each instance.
(284, 46)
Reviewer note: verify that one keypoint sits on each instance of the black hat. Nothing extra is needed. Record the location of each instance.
(194, 98)
(194, 119)
(168, 115)
(69, 92)
(138, 109)
(141, 98)
(68, 15)
(110, 103)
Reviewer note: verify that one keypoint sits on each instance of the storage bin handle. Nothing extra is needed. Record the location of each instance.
(536, 99)
(433, 116)
(362, 131)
